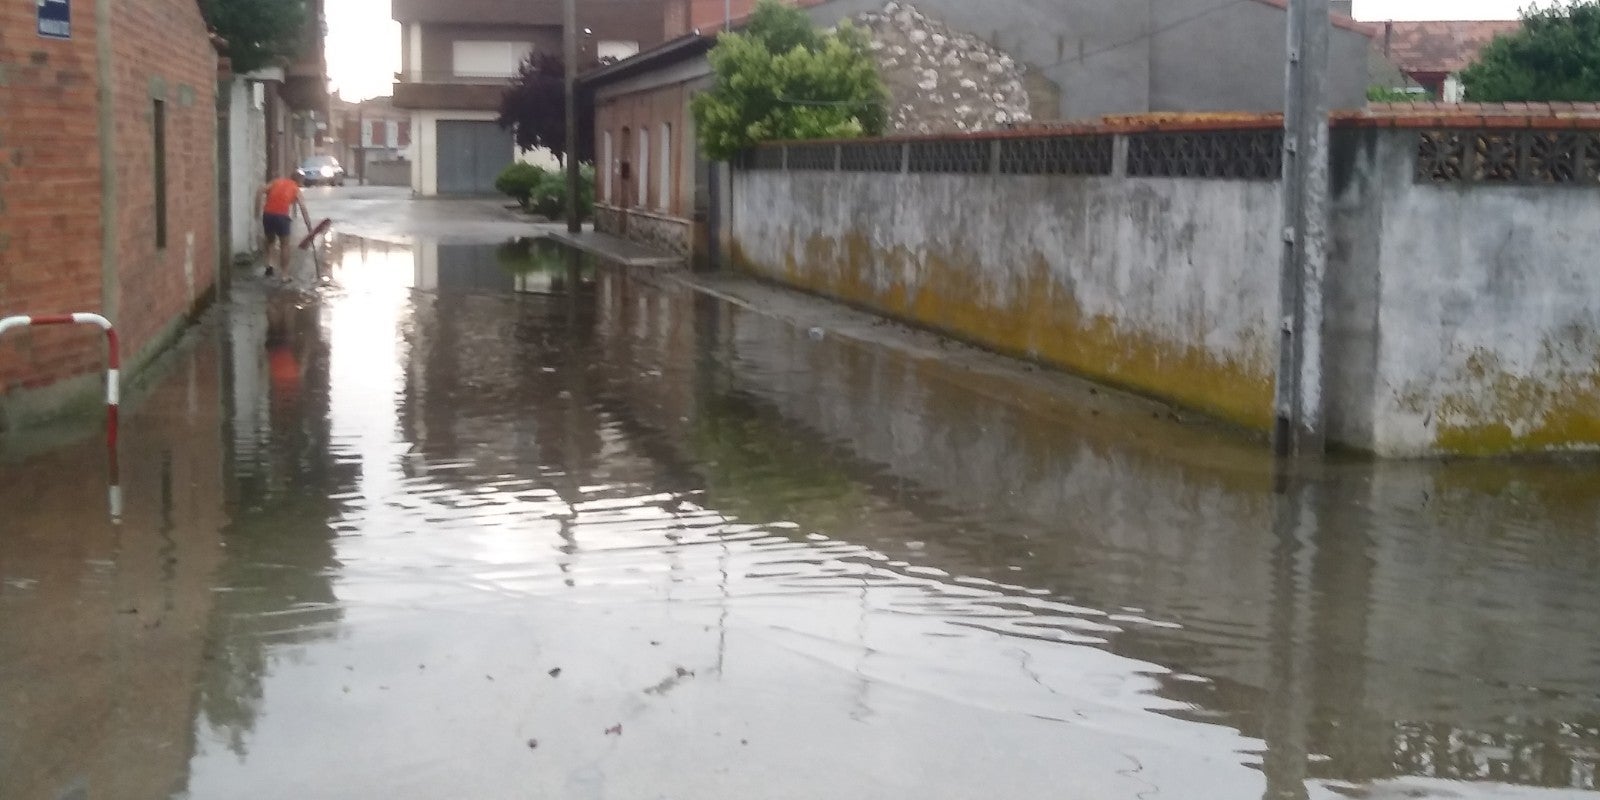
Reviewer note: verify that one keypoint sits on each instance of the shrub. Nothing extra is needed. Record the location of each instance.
(544, 192)
(521, 182)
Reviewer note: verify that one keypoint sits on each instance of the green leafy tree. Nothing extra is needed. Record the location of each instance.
(782, 79)
(1555, 56)
(260, 33)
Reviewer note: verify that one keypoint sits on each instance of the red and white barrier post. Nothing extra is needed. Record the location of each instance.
(113, 385)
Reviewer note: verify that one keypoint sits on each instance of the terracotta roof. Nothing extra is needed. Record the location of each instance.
(1583, 116)
(1440, 46)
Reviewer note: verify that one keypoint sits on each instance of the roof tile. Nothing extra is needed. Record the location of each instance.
(1439, 46)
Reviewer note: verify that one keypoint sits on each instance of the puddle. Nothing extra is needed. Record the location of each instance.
(370, 519)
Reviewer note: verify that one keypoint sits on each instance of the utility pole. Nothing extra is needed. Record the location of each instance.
(361, 144)
(569, 35)
(1300, 428)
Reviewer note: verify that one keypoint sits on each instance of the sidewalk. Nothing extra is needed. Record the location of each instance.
(617, 249)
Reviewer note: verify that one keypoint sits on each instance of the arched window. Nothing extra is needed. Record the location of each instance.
(664, 192)
(606, 166)
(643, 168)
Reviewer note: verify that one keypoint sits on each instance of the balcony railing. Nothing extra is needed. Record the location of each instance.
(450, 76)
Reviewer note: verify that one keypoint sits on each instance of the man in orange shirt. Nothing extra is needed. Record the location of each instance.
(278, 200)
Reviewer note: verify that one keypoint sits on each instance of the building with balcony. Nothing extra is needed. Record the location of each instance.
(457, 56)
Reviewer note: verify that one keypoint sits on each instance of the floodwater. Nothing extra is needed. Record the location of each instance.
(466, 521)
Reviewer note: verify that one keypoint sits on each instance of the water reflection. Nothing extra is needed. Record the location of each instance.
(275, 588)
(101, 626)
(481, 496)
(526, 265)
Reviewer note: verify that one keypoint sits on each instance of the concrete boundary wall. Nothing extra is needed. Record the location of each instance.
(1464, 296)
(1463, 314)
(1165, 286)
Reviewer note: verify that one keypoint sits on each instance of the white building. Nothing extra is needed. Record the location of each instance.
(457, 57)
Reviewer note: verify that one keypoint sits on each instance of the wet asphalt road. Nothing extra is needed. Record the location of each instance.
(468, 520)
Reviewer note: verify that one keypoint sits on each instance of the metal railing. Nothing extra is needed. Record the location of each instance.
(450, 76)
(113, 387)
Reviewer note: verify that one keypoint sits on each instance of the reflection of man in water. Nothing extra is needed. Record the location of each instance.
(283, 363)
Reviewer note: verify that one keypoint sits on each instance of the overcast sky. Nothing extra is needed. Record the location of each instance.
(364, 43)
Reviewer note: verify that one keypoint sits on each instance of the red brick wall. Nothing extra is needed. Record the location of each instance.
(51, 215)
(645, 110)
(49, 193)
(674, 18)
(161, 47)
(709, 13)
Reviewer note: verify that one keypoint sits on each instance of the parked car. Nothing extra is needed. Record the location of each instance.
(323, 170)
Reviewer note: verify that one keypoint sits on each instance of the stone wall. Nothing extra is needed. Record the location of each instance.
(1101, 57)
(663, 233)
(941, 80)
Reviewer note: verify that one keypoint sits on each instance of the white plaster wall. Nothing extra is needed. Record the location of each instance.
(422, 142)
(540, 157)
(1462, 317)
(1490, 308)
(247, 167)
(1188, 263)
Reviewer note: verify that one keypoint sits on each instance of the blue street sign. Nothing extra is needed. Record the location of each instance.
(55, 19)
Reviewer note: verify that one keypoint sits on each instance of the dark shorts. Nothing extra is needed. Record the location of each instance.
(276, 224)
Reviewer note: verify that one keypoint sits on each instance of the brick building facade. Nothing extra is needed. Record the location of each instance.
(108, 190)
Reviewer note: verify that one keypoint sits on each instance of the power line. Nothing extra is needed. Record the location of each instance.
(1151, 34)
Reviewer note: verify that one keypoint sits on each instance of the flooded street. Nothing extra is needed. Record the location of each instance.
(467, 520)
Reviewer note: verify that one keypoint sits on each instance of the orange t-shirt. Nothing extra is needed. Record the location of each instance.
(281, 195)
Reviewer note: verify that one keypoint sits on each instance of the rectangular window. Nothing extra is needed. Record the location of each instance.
(643, 200)
(664, 191)
(158, 118)
(487, 59)
(606, 166)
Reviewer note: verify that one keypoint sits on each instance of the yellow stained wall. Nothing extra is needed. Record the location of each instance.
(936, 281)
